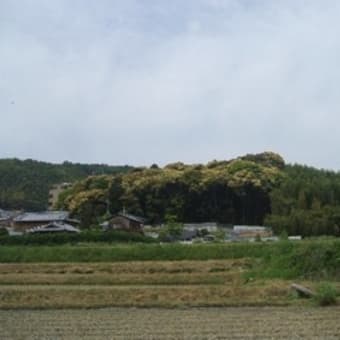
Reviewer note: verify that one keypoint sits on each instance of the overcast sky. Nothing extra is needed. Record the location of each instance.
(156, 81)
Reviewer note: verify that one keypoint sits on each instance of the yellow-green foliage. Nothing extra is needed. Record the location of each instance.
(87, 198)
(190, 192)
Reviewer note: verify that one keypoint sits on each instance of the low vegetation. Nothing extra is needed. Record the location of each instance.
(326, 294)
(88, 236)
(130, 252)
(310, 259)
(166, 275)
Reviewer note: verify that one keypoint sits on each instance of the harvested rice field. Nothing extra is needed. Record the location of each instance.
(154, 323)
(137, 284)
(155, 300)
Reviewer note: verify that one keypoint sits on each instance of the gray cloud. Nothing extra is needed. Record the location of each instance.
(158, 81)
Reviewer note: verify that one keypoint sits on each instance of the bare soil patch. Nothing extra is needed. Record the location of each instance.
(154, 323)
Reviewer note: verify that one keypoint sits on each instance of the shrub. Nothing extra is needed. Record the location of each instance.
(284, 235)
(326, 294)
(3, 232)
(67, 238)
(258, 238)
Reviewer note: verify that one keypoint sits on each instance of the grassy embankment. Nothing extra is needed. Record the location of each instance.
(163, 275)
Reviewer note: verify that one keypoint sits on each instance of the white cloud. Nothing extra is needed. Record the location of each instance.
(159, 81)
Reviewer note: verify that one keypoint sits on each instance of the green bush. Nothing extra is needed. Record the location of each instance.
(284, 235)
(90, 236)
(128, 252)
(326, 294)
(312, 260)
(3, 232)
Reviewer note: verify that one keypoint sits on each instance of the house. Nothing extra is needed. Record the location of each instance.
(29, 220)
(6, 217)
(185, 236)
(54, 227)
(191, 231)
(188, 235)
(243, 232)
(125, 222)
(208, 227)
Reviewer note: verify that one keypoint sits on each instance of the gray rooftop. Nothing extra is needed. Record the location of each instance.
(133, 218)
(210, 226)
(54, 227)
(5, 214)
(241, 228)
(44, 216)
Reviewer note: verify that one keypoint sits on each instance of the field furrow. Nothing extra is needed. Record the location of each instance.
(194, 323)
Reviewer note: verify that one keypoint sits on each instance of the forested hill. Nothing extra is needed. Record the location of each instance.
(24, 184)
(254, 189)
(235, 191)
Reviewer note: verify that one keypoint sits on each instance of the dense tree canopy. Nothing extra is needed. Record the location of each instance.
(235, 191)
(307, 202)
(25, 184)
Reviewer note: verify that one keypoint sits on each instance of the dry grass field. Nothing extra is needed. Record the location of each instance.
(138, 284)
(194, 323)
(86, 300)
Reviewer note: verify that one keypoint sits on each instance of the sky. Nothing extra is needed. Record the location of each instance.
(157, 81)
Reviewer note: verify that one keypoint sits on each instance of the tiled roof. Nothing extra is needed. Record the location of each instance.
(4, 214)
(42, 216)
(54, 227)
(132, 217)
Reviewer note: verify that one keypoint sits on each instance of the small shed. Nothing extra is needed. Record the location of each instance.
(207, 226)
(245, 232)
(126, 222)
(188, 235)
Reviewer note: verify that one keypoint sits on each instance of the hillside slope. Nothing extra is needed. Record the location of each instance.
(253, 189)
(25, 184)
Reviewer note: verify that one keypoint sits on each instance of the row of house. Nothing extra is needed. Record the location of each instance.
(60, 221)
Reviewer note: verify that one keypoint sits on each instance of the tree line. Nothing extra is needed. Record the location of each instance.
(307, 202)
(254, 190)
(25, 184)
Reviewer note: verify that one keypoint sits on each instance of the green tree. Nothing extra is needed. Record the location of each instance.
(173, 227)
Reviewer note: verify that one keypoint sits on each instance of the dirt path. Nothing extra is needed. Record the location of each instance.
(193, 323)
